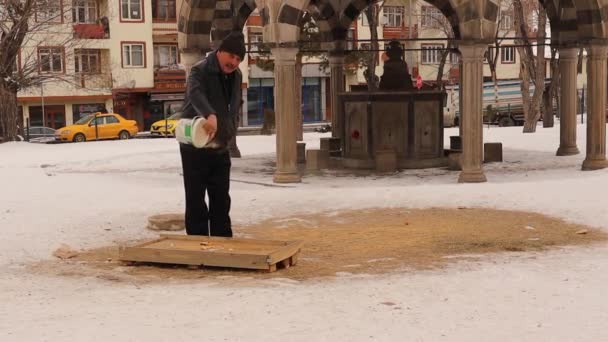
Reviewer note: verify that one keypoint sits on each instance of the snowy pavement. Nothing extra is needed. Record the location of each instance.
(99, 193)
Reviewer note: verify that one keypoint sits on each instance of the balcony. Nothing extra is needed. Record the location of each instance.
(100, 82)
(91, 31)
(399, 32)
(170, 80)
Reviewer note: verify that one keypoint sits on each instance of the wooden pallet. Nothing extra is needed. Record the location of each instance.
(215, 251)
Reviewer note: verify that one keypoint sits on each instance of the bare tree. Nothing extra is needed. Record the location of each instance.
(372, 14)
(492, 54)
(551, 91)
(532, 67)
(446, 29)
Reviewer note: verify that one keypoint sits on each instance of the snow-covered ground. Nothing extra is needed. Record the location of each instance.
(98, 193)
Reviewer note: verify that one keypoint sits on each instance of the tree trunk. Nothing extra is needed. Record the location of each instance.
(491, 59)
(534, 112)
(8, 114)
(551, 92)
(444, 57)
(371, 12)
(525, 86)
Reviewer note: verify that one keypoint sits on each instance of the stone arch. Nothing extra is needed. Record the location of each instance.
(354, 8)
(282, 20)
(563, 21)
(477, 20)
(202, 23)
(194, 25)
(230, 15)
(592, 19)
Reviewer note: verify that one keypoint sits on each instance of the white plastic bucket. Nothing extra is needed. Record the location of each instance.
(191, 132)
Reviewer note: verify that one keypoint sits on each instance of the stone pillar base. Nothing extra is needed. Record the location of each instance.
(472, 177)
(316, 160)
(454, 161)
(492, 152)
(301, 148)
(594, 164)
(567, 151)
(284, 177)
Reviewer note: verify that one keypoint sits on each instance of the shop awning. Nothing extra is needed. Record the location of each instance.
(166, 96)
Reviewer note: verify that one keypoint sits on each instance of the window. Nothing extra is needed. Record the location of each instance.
(255, 38)
(507, 54)
(87, 61)
(394, 15)
(133, 55)
(165, 55)
(131, 10)
(49, 11)
(111, 119)
(164, 10)
(506, 20)
(97, 121)
(84, 11)
(431, 17)
(454, 58)
(431, 54)
(350, 39)
(50, 59)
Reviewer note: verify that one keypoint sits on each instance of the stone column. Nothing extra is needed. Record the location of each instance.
(298, 101)
(336, 65)
(285, 88)
(471, 119)
(568, 58)
(596, 113)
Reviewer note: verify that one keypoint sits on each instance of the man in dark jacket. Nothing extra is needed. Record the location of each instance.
(213, 92)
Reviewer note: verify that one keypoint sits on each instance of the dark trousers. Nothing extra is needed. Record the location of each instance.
(207, 170)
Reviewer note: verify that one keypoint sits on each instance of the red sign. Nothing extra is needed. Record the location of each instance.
(418, 82)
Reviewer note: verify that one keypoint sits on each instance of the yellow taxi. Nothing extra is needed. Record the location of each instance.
(165, 127)
(100, 126)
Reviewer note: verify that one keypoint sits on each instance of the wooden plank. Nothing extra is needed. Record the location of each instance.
(212, 246)
(217, 251)
(193, 258)
(218, 238)
(152, 241)
(285, 252)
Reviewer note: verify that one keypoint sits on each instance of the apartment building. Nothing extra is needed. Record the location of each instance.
(117, 55)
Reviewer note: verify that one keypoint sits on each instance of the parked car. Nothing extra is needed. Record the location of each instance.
(98, 125)
(165, 127)
(38, 133)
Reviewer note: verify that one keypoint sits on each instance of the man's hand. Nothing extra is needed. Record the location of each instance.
(211, 126)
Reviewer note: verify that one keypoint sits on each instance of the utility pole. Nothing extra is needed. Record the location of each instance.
(42, 99)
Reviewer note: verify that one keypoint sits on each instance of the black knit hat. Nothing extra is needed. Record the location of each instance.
(234, 43)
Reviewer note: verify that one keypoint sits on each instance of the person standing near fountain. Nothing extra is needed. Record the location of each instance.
(396, 75)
